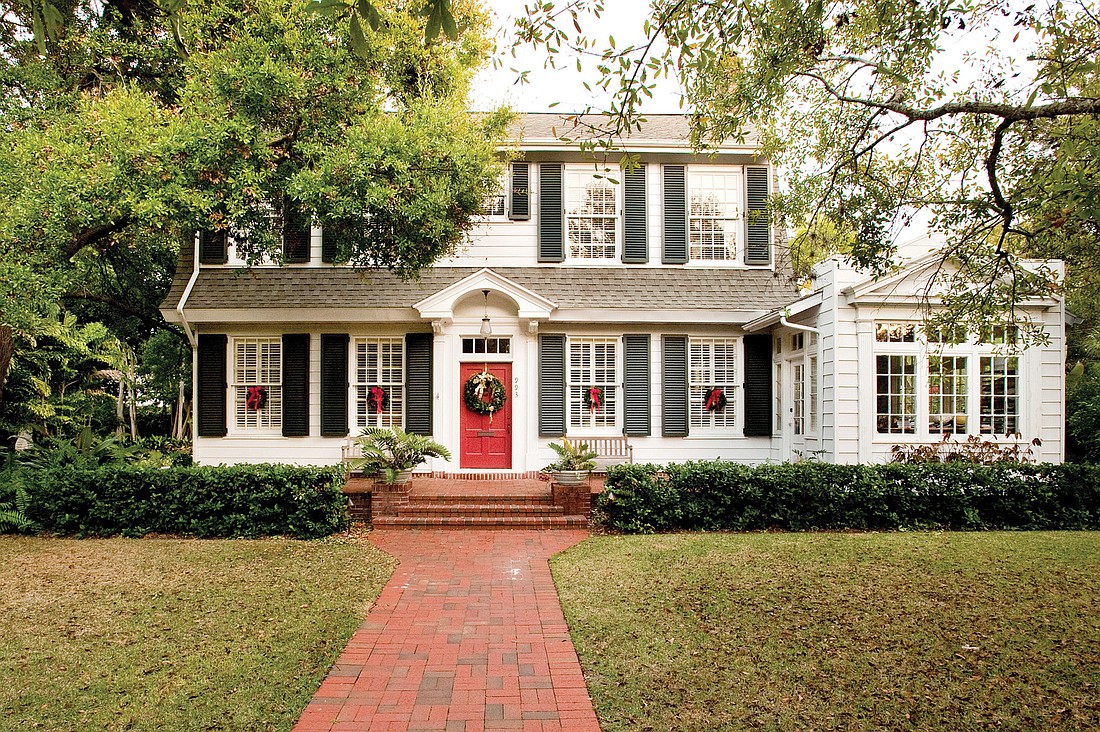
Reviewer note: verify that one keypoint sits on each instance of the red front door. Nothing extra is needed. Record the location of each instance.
(486, 439)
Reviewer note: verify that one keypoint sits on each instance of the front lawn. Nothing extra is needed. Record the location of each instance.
(165, 634)
(952, 631)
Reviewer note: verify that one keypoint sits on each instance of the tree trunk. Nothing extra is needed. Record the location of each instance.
(133, 415)
(7, 350)
(120, 414)
(181, 404)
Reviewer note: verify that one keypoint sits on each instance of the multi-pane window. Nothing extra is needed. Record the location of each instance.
(379, 382)
(257, 383)
(715, 212)
(1000, 406)
(949, 381)
(896, 394)
(713, 382)
(486, 345)
(798, 387)
(592, 382)
(813, 408)
(496, 203)
(947, 395)
(895, 332)
(778, 396)
(591, 214)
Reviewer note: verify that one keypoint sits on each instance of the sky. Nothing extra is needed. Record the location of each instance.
(564, 85)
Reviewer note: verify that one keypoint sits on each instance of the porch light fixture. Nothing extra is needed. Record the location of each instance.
(486, 329)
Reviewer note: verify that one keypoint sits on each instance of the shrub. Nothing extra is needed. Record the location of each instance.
(235, 501)
(804, 496)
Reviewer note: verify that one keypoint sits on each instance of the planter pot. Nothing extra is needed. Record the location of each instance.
(569, 477)
(402, 477)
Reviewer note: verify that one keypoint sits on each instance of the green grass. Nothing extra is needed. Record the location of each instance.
(920, 631)
(164, 634)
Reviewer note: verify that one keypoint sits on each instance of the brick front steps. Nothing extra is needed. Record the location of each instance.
(523, 503)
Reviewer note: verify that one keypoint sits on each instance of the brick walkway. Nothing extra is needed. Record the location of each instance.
(468, 635)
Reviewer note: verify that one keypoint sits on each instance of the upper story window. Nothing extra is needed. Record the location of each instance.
(495, 204)
(591, 214)
(716, 197)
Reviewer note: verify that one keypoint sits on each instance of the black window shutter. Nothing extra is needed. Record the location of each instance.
(296, 234)
(675, 245)
(758, 385)
(551, 213)
(213, 246)
(758, 246)
(519, 206)
(635, 240)
(296, 385)
(418, 383)
(551, 385)
(636, 387)
(211, 386)
(674, 386)
(328, 245)
(334, 385)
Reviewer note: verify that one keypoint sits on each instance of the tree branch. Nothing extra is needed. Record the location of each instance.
(95, 235)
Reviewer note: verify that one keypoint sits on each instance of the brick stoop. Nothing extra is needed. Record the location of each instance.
(523, 503)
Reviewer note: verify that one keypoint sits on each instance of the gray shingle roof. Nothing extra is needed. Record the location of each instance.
(581, 288)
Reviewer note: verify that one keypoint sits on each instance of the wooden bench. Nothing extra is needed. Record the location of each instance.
(351, 450)
(609, 450)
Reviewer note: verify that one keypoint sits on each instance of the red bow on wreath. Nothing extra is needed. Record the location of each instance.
(377, 396)
(716, 400)
(257, 398)
(595, 399)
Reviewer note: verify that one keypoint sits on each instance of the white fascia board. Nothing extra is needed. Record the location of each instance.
(650, 147)
(304, 315)
(634, 315)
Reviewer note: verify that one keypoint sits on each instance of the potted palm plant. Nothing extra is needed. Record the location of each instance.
(575, 461)
(394, 453)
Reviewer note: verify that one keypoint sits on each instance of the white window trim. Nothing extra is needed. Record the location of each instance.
(593, 431)
(234, 400)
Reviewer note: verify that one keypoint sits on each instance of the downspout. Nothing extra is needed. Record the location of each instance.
(783, 321)
(186, 294)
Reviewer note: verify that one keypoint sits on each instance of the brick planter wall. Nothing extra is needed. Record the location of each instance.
(575, 500)
(388, 500)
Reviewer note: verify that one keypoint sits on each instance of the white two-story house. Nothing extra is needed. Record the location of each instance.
(654, 303)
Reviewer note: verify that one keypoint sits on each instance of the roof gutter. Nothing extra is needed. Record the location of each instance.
(186, 294)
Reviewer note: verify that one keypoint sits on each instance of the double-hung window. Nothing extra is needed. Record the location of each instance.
(716, 199)
(713, 383)
(257, 383)
(591, 214)
(379, 382)
(592, 383)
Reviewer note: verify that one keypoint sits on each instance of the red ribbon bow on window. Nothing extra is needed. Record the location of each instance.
(714, 400)
(377, 395)
(257, 397)
(594, 394)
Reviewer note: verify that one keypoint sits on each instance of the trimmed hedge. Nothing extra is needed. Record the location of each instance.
(723, 496)
(221, 501)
